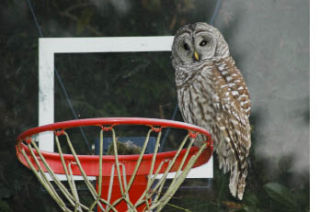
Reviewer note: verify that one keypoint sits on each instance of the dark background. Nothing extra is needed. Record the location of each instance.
(268, 39)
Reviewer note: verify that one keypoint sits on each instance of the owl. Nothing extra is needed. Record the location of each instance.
(213, 95)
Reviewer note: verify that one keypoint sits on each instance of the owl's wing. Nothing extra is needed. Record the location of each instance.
(235, 82)
(231, 124)
(233, 133)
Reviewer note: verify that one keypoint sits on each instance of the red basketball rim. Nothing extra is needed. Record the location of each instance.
(90, 163)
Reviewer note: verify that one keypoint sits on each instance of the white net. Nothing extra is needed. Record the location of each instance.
(120, 185)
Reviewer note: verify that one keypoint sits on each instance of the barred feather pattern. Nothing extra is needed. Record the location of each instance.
(212, 94)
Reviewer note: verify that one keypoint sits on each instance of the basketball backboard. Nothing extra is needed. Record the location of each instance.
(48, 47)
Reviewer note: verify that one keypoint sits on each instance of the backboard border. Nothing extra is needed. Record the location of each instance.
(48, 47)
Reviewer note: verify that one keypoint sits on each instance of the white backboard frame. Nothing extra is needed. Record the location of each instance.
(48, 47)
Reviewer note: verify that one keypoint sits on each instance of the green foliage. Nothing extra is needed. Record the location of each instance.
(281, 194)
(4, 207)
(286, 199)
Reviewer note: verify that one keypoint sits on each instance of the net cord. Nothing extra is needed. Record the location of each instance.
(153, 197)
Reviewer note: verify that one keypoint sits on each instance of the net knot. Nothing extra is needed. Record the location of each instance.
(106, 129)
(156, 129)
(59, 132)
(28, 140)
(192, 134)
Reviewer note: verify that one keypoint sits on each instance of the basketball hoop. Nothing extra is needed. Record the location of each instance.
(123, 182)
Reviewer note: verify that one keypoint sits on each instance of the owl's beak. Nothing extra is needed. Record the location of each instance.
(196, 56)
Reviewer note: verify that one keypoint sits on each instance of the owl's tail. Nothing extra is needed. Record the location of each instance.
(237, 182)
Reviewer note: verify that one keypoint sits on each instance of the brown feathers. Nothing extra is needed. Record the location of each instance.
(212, 94)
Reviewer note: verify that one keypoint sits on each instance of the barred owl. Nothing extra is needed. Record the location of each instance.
(212, 94)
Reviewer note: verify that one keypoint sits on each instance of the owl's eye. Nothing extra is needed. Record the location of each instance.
(203, 43)
(186, 47)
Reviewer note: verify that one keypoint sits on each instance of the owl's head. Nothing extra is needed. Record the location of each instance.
(198, 42)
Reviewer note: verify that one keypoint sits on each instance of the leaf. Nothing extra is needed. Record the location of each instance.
(280, 194)
(4, 207)
(251, 199)
(84, 20)
(251, 209)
